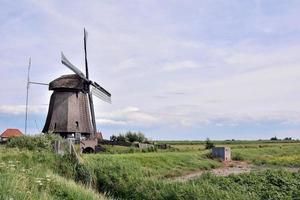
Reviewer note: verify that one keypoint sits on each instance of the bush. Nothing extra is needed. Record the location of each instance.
(121, 138)
(129, 137)
(141, 137)
(113, 138)
(37, 142)
(209, 144)
(274, 138)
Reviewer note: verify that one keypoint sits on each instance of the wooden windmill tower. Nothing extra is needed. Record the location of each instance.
(71, 108)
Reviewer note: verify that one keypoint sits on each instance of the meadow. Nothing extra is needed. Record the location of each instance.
(27, 172)
(32, 171)
(149, 175)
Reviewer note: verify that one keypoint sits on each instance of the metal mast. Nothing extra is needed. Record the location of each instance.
(27, 93)
(27, 88)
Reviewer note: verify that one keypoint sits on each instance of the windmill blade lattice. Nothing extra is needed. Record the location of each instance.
(98, 93)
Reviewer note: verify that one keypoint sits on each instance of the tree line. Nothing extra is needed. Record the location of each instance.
(129, 137)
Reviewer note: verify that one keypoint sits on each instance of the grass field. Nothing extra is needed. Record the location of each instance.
(28, 174)
(123, 173)
(147, 175)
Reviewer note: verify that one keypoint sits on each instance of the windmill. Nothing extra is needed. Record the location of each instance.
(71, 108)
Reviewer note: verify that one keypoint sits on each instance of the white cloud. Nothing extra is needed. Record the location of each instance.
(126, 116)
(109, 122)
(174, 66)
(20, 109)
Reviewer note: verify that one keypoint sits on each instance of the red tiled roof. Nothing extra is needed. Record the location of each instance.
(11, 132)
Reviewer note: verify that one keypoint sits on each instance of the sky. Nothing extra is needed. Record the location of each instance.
(177, 70)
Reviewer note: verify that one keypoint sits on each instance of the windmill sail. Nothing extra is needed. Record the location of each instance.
(91, 103)
(67, 63)
(96, 85)
(85, 55)
(101, 95)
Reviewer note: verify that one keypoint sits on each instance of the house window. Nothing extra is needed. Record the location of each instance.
(77, 124)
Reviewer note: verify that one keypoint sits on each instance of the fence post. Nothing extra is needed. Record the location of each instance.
(56, 146)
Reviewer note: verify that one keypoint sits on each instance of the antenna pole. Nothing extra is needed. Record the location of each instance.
(27, 91)
(85, 54)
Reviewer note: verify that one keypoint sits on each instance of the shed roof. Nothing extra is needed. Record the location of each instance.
(11, 132)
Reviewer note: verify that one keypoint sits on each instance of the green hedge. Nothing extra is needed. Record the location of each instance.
(36, 142)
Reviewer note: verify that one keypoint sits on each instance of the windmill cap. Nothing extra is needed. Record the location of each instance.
(67, 82)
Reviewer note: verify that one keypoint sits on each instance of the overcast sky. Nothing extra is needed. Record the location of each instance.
(221, 69)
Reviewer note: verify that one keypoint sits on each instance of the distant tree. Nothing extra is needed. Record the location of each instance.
(288, 138)
(141, 137)
(121, 138)
(274, 138)
(113, 138)
(131, 136)
(209, 144)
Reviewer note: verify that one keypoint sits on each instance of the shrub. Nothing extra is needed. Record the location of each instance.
(113, 138)
(141, 137)
(121, 138)
(129, 137)
(274, 138)
(37, 142)
(209, 144)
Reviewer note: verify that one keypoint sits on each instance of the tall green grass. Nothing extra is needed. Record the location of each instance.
(147, 176)
(269, 184)
(33, 174)
(161, 165)
(279, 155)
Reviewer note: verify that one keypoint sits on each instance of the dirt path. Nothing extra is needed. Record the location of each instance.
(233, 167)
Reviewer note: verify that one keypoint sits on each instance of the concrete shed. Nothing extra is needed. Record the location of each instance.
(224, 153)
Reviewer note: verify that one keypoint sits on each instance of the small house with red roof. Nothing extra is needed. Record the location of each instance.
(10, 133)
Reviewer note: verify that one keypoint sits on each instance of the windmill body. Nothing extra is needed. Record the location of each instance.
(71, 108)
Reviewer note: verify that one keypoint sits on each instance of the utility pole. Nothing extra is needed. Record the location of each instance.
(27, 87)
